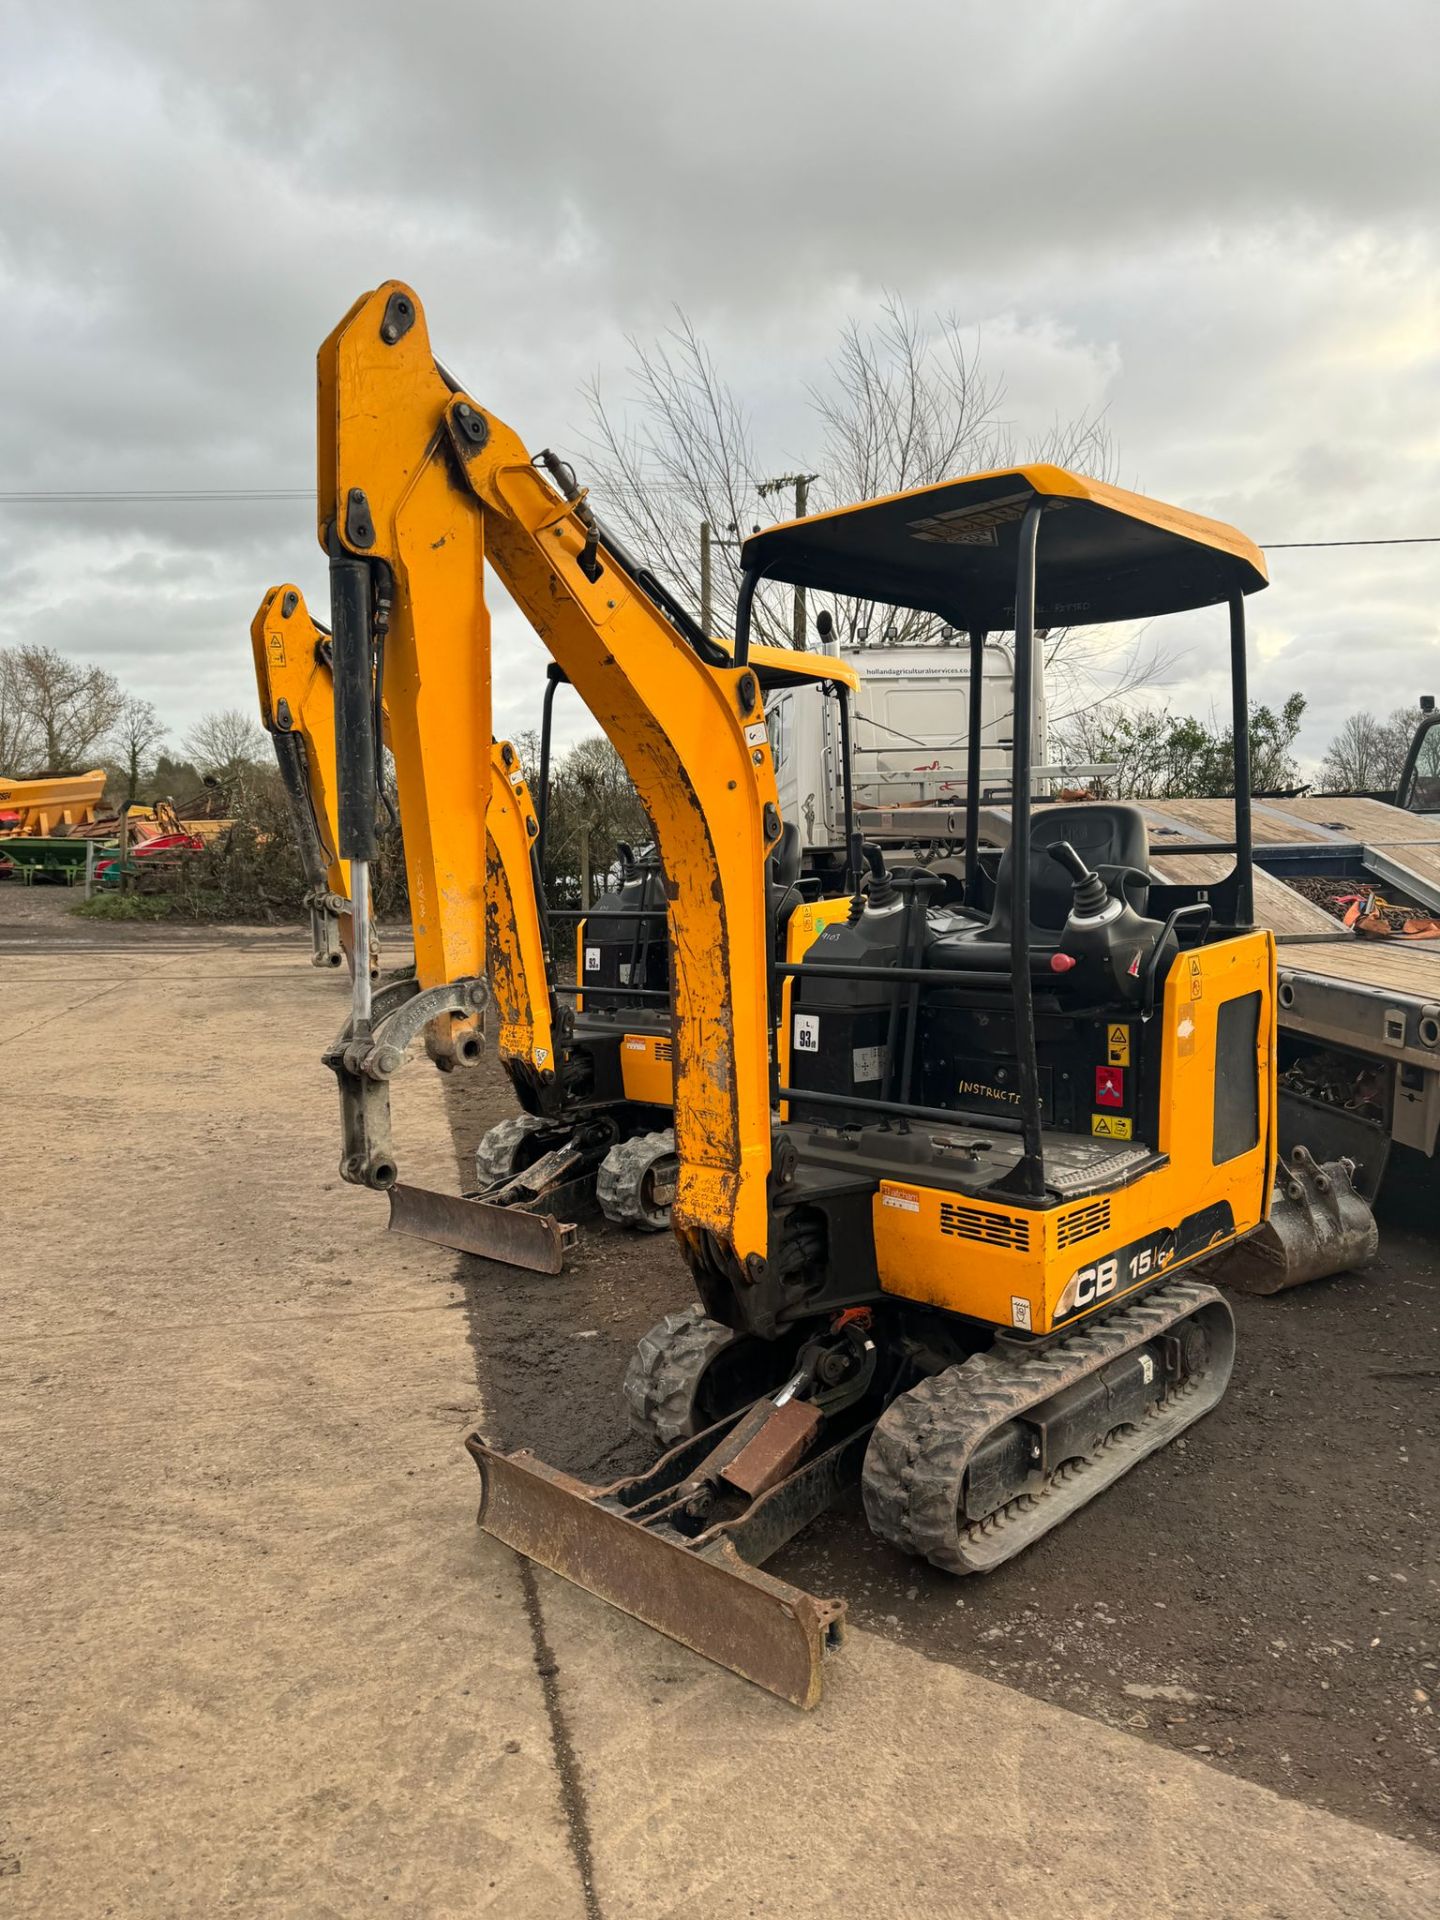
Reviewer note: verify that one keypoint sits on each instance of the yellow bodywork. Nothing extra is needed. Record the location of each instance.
(384, 471)
(291, 668)
(647, 1068)
(515, 942)
(806, 924)
(67, 800)
(1012, 1265)
(422, 460)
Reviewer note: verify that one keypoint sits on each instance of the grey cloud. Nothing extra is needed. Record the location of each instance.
(1214, 222)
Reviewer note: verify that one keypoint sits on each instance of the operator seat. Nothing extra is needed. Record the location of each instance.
(1107, 837)
(782, 881)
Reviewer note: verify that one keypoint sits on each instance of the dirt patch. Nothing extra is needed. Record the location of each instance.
(1263, 1593)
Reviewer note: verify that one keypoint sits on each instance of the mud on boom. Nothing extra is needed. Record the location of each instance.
(951, 1253)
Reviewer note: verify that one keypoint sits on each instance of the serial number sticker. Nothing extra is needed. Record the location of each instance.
(756, 734)
(807, 1033)
(592, 959)
(1111, 1126)
(869, 1063)
(1019, 1311)
(635, 1046)
(905, 1198)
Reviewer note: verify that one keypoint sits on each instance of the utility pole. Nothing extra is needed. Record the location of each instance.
(801, 483)
(705, 579)
(802, 495)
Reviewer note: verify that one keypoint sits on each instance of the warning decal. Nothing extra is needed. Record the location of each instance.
(1109, 1086)
(1117, 1046)
(1111, 1126)
(1197, 984)
(905, 1198)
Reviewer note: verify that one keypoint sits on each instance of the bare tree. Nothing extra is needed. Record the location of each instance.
(136, 735)
(1352, 758)
(1368, 754)
(902, 405)
(19, 739)
(228, 744)
(593, 809)
(69, 706)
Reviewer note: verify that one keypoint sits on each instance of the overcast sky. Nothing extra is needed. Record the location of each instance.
(1217, 222)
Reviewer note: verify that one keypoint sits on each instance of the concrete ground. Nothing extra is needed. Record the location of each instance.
(258, 1658)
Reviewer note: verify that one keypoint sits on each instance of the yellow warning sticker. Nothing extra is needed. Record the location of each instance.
(1197, 984)
(1111, 1126)
(1117, 1046)
(275, 647)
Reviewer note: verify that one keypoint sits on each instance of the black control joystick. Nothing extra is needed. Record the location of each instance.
(1105, 942)
(1092, 896)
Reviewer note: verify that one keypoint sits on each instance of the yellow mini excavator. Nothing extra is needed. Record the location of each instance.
(944, 1231)
(594, 1082)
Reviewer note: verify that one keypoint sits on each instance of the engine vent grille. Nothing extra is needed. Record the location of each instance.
(994, 1229)
(664, 1050)
(1081, 1222)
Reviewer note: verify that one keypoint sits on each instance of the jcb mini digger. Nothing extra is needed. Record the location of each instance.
(947, 1254)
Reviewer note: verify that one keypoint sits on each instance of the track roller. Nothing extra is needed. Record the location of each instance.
(508, 1148)
(977, 1462)
(636, 1182)
(689, 1372)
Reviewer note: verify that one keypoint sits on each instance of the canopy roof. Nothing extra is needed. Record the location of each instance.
(788, 667)
(1104, 554)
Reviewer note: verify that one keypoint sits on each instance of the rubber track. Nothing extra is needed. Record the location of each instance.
(915, 1465)
(665, 1372)
(620, 1183)
(495, 1157)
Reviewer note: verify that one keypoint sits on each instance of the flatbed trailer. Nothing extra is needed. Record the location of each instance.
(1359, 1015)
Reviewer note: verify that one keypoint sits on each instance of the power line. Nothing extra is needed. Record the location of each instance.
(84, 497)
(1404, 540)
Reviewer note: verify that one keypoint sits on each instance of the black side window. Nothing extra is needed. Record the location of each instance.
(1237, 1078)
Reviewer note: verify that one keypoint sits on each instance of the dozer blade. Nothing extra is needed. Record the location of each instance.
(704, 1590)
(1318, 1225)
(511, 1235)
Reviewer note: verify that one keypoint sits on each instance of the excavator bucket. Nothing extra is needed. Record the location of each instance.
(1318, 1225)
(679, 1547)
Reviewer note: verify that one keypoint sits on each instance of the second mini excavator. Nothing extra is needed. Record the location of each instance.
(959, 1270)
(594, 1082)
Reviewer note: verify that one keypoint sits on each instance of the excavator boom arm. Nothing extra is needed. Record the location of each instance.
(297, 705)
(418, 486)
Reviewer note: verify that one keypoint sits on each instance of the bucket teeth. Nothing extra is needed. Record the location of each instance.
(1318, 1225)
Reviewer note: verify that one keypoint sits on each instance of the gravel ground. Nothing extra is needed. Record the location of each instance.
(1262, 1594)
